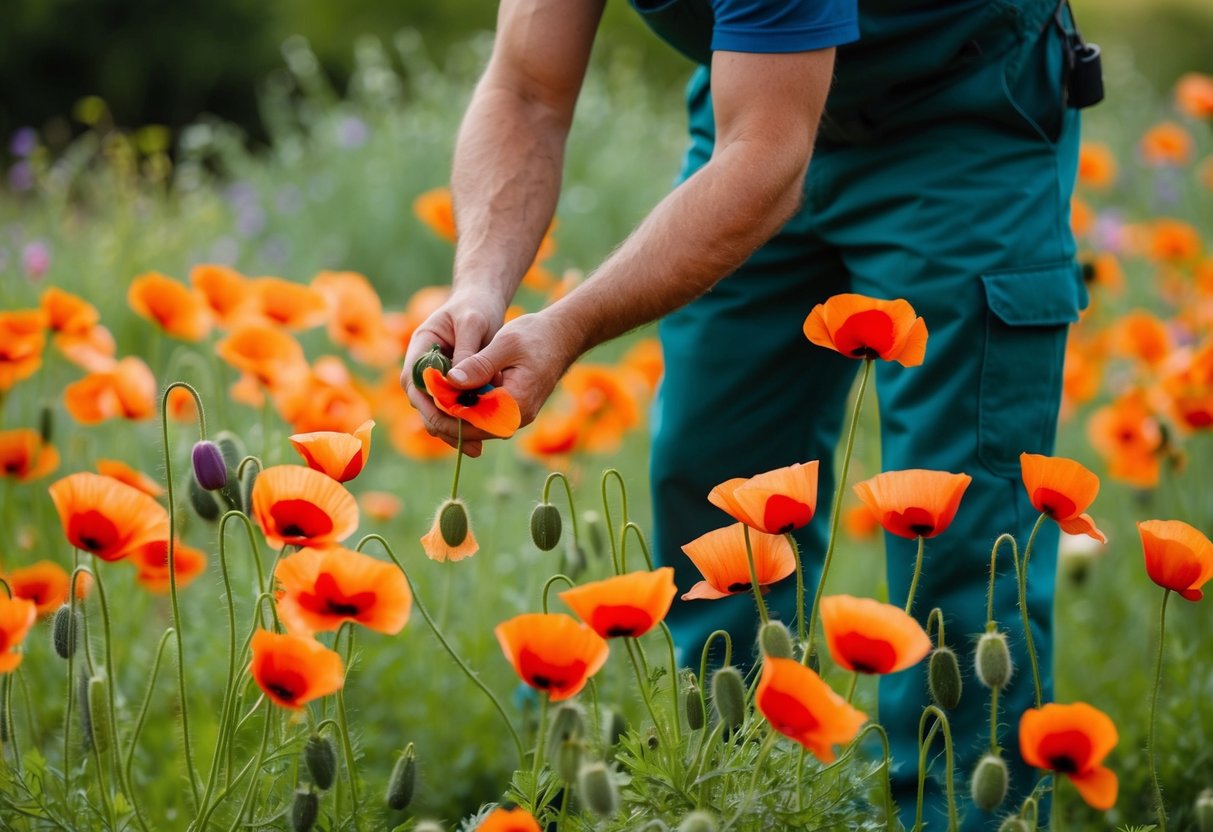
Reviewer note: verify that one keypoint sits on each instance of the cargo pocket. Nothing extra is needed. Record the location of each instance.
(1028, 315)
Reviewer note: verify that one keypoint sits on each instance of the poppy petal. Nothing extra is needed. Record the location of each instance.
(1098, 787)
(491, 409)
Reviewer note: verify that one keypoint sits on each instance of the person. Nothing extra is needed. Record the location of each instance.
(943, 158)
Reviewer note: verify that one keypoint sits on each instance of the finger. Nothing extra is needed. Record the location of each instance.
(483, 367)
(470, 335)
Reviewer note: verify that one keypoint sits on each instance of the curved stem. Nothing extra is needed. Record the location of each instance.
(890, 814)
(547, 586)
(669, 641)
(800, 622)
(147, 702)
(917, 572)
(568, 490)
(935, 623)
(606, 511)
(642, 682)
(707, 646)
(1021, 573)
(1004, 537)
(749, 557)
(644, 546)
(854, 685)
(941, 721)
(1151, 751)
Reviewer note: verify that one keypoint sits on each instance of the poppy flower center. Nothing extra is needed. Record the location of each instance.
(621, 620)
(14, 466)
(34, 592)
(287, 686)
(547, 675)
(783, 514)
(300, 519)
(739, 586)
(468, 398)
(1054, 503)
(329, 599)
(1066, 751)
(787, 714)
(867, 334)
(916, 520)
(93, 531)
(867, 655)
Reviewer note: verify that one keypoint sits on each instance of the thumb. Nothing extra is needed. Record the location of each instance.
(480, 368)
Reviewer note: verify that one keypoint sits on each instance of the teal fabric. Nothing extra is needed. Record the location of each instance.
(967, 217)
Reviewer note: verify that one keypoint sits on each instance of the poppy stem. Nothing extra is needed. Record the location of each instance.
(606, 512)
(71, 675)
(256, 768)
(800, 631)
(142, 718)
(1009, 538)
(10, 730)
(1021, 573)
(644, 546)
(568, 490)
(890, 814)
(854, 685)
(537, 759)
(836, 508)
(767, 744)
(1151, 751)
(754, 585)
(941, 721)
(669, 641)
(547, 586)
(994, 721)
(922, 543)
(467, 671)
(458, 458)
(642, 681)
(346, 743)
(703, 655)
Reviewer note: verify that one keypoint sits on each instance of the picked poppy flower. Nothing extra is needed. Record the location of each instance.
(1072, 740)
(298, 506)
(1178, 556)
(914, 502)
(44, 583)
(68, 314)
(24, 456)
(552, 652)
(340, 455)
(1062, 489)
(801, 706)
(22, 337)
(319, 589)
(17, 615)
(866, 636)
(776, 502)
(720, 555)
(105, 517)
(509, 820)
(125, 391)
(491, 409)
(862, 327)
(625, 605)
(175, 308)
(151, 563)
(293, 670)
(287, 304)
(124, 473)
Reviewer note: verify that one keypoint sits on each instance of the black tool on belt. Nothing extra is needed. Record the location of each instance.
(1083, 71)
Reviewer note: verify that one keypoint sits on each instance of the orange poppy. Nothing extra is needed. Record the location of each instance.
(44, 583)
(319, 589)
(1194, 95)
(859, 521)
(720, 556)
(286, 304)
(24, 456)
(105, 517)
(491, 409)
(355, 318)
(801, 706)
(434, 208)
(603, 405)
(1082, 217)
(293, 670)
(436, 547)
(380, 505)
(551, 437)
(1096, 165)
(298, 506)
(1127, 435)
(866, 636)
(93, 350)
(328, 398)
(1082, 376)
(1173, 241)
(422, 303)
(125, 473)
(646, 360)
(509, 820)
(1106, 272)
(1178, 556)
(552, 652)
(1141, 335)
(861, 327)
(915, 502)
(1072, 740)
(1166, 144)
(625, 605)
(268, 354)
(68, 314)
(22, 337)
(225, 290)
(17, 615)
(775, 502)
(340, 455)
(126, 391)
(175, 308)
(1062, 489)
(151, 563)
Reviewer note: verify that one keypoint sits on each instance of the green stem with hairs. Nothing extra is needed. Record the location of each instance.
(924, 744)
(143, 709)
(922, 542)
(547, 586)
(854, 686)
(458, 458)
(1021, 573)
(606, 512)
(643, 683)
(568, 490)
(890, 814)
(767, 744)
(346, 743)
(1160, 807)
(754, 585)
(703, 660)
(1002, 538)
(800, 622)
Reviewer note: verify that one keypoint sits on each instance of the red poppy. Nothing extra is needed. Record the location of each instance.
(293, 670)
(604, 405)
(866, 636)
(1062, 489)
(105, 517)
(720, 556)
(491, 409)
(509, 820)
(776, 502)
(801, 706)
(17, 615)
(44, 583)
(24, 456)
(340, 455)
(915, 502)
(1072, 740)
(861, 327)
(1178, 556)
(552, 652)
(151, 563)
(625, 605)
(322, 588)
(301, 507)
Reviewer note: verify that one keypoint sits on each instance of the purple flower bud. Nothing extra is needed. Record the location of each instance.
(209, 468)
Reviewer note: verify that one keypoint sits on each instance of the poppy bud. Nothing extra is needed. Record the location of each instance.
(568, 759)
(775, 640)
(233, 451)
(432, 358)
(989, 783)
(698, 822)
(545, 526)
(1014, 824)
(943, 677)
(46, 423)
(209, 468)
(1204, 811)
(321, 757)
(728, 695)
(403, 780)
(453, 522)
(596, 784)
(204, 503)
(692, 703)
(99, 715)
(428, 826)
(568, 723)
(304, 810)
(993, 660)
(64, 629)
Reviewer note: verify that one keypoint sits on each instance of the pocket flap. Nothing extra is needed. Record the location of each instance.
(1048, 295)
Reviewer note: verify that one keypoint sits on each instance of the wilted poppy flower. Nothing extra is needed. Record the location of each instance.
(435, 545)
(802, 707)
(915, 502)
(491, 409)
(509, 820)
(434, 208)
(24, 456)
(105, 517)
(1194, 95)
(125, 391)
(225, 290)
(22, 337)
(340, 455)
(298, 506)
(720, 556)
(124, 473)
(44, 583)
(293, 670)
(1072, 740)
(867, 636)
(775, 502)
(319, 589)
(552, 652)
(1062, 489)
(1178, 557)
(17, 615)
(1166, 144)
(1096, 165)
(287, 304)
(151, 564)
(267, 353)
(380, 505)
(625, 605)
(175, 308)
(68, 314)
(861, 327)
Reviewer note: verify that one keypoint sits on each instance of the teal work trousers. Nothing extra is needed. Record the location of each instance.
(965, 216)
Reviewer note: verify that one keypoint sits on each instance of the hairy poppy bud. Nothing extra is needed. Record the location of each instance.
(403, 780)
(943, 678)
(321, 757)
(993, 660)
(698, 822)
(989, 783)
(304, 810)
(453, 522)
(775, 640)
(99, 715)
(567, 759)
(232, 448)
(65, 631)
(247, 480)
(1014, 824)
(728, 695)
(204, 503)
(432, 358)
(209, 468)
(545, 526)
(568, 723)
(1204, 811)
(596, 784)
(692, 703)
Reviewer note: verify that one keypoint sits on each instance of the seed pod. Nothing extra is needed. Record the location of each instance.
(698, 822)
(99, 715)
(304, 810)
(204, 503)
(432, 358)
(453, 522)
(993, 660)
(989, 784)
(596, 784)
(568, 724)
(692, 703)
(1204, 811)
(65, 629)
(209, 468)
(567, 759)
(943, 678)
(775, 640)
(545, 526)
(403, 781)
(728, 696)
(321, 757)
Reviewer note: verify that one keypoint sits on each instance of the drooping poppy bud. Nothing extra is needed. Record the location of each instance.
(698, 822)
(989, 784)
(692, 703)
(203, 502)
(993, 660)
(453, 523)
(613, 726)
(403, 780)
(943, 677)
(728, 695)
(1014, 824)
(432, 358)
(304, 810)
(545, 526)
(596, 784)
(775, 640)
(65, 631)
(321, 757)
(209, 468)
(567, 759)
(568, 723)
